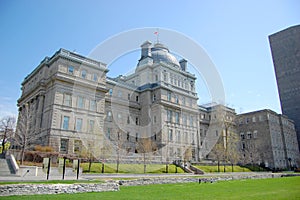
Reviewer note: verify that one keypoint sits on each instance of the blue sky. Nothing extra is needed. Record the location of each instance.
(233, 33)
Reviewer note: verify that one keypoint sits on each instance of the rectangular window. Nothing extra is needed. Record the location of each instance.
(108, 133)
(176, 99)
(71, 70)
(165, 77)
(110, 91)
(183, 101)
(154, 97)
(64, 146)
(154, 119)
(91, 126)
(80, 102)
(169, 96)
(93, 105)
(109, 116)
(170, 135)
(184, 120)
(191, 121)
(128, 97)
(83, 74)
(66, 123)
(178, 137)
(169, 115)
(95, 77)
(77, 146)
(176, 117)
(137, 98)
(78, 124)
(67, 100)
(136, 121)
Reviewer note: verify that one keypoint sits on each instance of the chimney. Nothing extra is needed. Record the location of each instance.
(146, 50)
(183, 64)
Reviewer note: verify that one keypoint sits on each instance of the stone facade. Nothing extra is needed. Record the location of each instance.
(68, 103)
(269, 138)
(285, 48)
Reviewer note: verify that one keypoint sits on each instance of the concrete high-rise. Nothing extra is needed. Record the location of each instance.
(285, 48)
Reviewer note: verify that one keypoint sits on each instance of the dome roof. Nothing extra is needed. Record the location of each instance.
(160, 53)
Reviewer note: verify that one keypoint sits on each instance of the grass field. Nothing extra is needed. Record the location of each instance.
(276, 188)
(130, 168)
(208, 169)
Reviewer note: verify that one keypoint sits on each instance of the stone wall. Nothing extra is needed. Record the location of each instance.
(33, 189)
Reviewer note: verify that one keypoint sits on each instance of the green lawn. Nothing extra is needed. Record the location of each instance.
(130, 168)
(277, 188)
(208, 169)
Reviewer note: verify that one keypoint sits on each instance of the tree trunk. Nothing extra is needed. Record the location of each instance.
(22, 155)
(231, 167)
(224, 167)
(167, 168)
(144, 163)
(90, 165)
(218, 166)
(102, 168)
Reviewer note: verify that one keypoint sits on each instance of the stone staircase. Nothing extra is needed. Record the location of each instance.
(8, 166)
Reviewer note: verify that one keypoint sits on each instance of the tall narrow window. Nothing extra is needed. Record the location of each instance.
(136, 121)
(66, 123)
(109, 116)
(95, 77)
(77, 146)
(78, 124)
(184, 119)
(191, 121)
(169, 115)
(92, 105)
(183, 101)
(169, 96)
(154, 97)
(128, 96)
(71, 70)
(110, 91)
(137, 98)
(64, 146)
(67, 100)
(83, 74)
(176, 99)
(170, 135)
(108, 132)
(80, 102)
(176, 117)
(91, 126)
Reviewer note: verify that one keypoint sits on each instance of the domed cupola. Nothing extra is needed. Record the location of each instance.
(161, 53)
(157, 53)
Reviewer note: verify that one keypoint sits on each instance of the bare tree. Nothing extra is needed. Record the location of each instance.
(232, 153)
(7, 126)
(145, 146)
(25, 136)
(218, 153)
(105, 152)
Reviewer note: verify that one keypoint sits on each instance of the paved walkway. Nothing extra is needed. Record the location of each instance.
(36, 174)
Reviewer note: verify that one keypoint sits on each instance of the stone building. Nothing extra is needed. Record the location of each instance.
(70, 104)
(63, 102)
(285, 48)
(268, 138)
